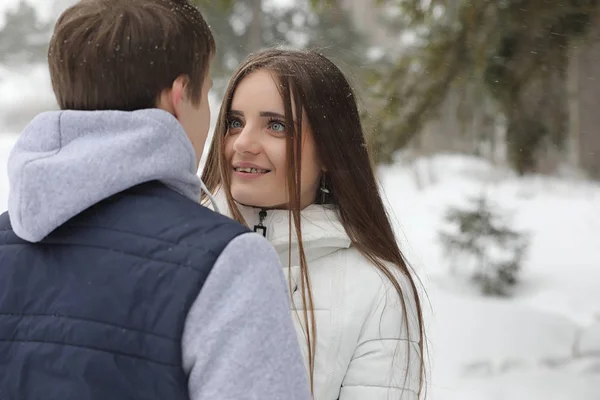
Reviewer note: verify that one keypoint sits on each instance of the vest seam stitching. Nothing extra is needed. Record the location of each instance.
(167, 364)
(208, 250)
(113, 250)
(185, 245)
(84, 319)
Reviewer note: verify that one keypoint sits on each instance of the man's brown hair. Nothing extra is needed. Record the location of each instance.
(122, 54)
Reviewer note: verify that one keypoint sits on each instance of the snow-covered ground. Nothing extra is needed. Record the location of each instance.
(544, 343)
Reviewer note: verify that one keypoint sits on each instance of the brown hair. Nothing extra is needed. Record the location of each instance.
(310, 82)
(121, 54)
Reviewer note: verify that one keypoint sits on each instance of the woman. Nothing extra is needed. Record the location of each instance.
(289, 160)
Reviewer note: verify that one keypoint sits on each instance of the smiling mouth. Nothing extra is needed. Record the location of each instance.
(251, 170)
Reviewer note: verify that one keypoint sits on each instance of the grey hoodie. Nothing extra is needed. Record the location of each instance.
(67, 161)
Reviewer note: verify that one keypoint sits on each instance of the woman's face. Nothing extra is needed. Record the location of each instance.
(255, 146)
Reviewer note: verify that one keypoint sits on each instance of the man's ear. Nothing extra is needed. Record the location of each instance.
(170, 99)
(177, 93)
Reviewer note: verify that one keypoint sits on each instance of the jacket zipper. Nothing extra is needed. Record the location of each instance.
(260, 228)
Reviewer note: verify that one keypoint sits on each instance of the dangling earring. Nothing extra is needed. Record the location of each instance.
(324, 190)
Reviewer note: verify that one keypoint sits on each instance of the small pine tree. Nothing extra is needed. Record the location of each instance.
(481, 241)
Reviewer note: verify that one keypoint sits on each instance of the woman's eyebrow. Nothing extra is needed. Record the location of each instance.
(269, 114)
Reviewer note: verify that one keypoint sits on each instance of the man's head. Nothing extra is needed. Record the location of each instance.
(134, 54)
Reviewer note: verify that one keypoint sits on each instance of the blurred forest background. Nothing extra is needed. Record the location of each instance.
(514, 81)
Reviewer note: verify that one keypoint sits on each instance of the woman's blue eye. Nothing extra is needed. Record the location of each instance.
(277, 126)
(235, 123)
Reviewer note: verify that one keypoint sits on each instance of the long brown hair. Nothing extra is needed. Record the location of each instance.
(311, 83)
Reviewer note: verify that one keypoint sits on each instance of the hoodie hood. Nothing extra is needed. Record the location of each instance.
(66, 161)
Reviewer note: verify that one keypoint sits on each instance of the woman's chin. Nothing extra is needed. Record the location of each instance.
(248, 199)
(253, 201)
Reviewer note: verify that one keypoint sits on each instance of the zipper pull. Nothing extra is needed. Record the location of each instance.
(260, 227)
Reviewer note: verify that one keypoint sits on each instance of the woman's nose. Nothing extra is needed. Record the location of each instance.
(247, 141)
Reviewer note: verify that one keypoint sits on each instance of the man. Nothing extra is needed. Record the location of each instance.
(114, 282)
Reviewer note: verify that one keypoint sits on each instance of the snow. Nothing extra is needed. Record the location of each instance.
(25, 92)
(543, 343)
(589, 341)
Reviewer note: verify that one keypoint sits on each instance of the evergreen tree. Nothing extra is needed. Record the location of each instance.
(511, 51)
(482, 242)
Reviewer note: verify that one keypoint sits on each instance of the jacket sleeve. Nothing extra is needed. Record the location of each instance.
(239, 341)
(386, 362)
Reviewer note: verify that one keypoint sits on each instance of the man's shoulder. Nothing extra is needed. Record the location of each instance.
(154, 207)
(147, 216)
(153, 212)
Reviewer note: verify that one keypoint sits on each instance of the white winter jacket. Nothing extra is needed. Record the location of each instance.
(360, 330)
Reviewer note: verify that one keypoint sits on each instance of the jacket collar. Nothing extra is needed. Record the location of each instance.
(322, 230)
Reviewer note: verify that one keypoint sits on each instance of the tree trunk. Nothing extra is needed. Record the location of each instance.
(574, 133)
(255, 37)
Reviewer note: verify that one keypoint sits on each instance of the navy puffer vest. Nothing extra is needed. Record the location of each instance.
(96, 310)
